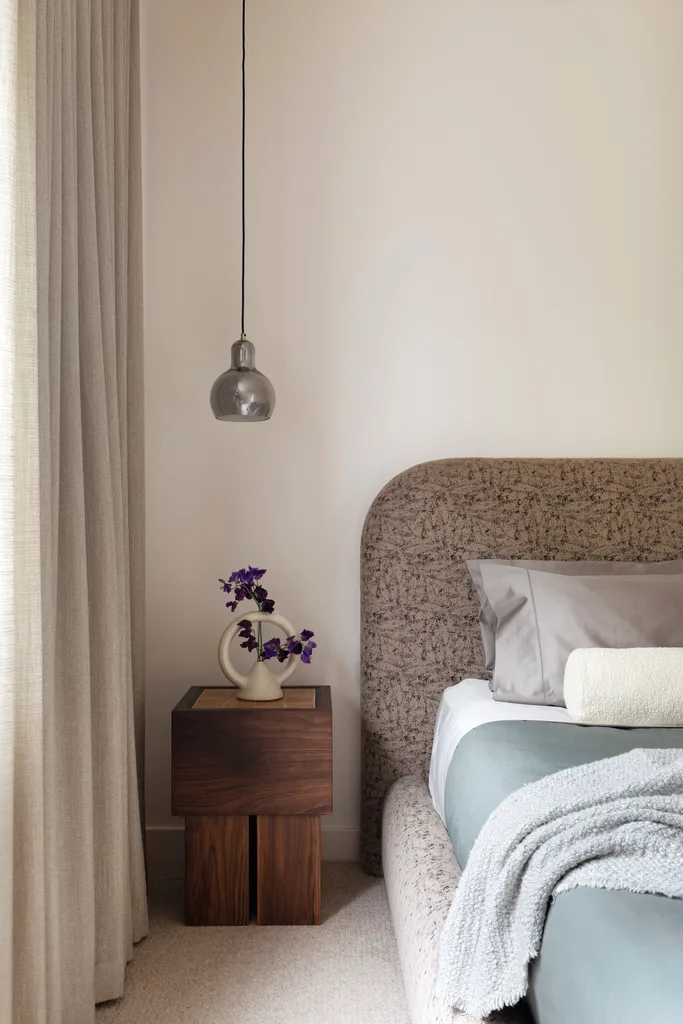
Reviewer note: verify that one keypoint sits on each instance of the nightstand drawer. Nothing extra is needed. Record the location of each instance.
(260, 761)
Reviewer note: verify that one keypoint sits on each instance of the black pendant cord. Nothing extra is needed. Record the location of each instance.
(244, 108)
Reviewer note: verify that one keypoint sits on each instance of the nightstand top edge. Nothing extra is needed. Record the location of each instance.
(323, 699)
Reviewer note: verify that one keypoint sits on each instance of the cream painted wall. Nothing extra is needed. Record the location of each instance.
(465, 238)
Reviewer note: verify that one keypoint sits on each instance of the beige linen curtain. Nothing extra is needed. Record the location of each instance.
(71, 479)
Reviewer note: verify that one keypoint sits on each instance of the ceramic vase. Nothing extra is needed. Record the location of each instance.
(260, 684)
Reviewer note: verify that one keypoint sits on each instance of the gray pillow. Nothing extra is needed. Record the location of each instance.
(487, 618)
(541, 617)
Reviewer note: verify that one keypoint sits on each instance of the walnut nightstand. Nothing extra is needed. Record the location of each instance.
(252, 781)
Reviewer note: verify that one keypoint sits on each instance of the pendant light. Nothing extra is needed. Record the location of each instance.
(242, 394)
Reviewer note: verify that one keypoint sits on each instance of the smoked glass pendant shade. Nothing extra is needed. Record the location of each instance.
(242, 394)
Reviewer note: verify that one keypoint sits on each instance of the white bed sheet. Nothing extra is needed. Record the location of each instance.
(465, 706)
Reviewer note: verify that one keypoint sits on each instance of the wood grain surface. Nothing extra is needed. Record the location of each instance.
(288, 878)
(252, 782)
(276, 761)
(217, 870)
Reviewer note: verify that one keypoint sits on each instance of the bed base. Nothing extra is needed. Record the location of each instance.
(421, 875)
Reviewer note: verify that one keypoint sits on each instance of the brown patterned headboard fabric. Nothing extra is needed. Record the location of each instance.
(419, 629)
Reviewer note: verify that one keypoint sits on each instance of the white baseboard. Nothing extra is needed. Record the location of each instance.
(166, 849)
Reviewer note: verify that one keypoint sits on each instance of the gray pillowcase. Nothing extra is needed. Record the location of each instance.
(487, 618)
(541, 617)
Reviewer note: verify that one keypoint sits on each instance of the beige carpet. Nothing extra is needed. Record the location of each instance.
(343, 972)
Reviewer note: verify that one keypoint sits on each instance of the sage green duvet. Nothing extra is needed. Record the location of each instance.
(606, 957)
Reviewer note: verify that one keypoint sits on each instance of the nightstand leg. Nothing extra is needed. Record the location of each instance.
(216, 869)
(288, 869)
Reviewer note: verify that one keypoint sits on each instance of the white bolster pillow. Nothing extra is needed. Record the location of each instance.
(630, 686)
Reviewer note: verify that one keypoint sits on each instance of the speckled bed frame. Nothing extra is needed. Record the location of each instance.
(418, 611)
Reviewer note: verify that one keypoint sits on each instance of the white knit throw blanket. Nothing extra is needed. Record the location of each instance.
(611, 824)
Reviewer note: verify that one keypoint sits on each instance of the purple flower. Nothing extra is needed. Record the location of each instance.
(290, 646)
(271, 649)
(244, 585)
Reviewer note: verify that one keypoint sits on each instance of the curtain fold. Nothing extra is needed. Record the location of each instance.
(71, 706)
(9, 59)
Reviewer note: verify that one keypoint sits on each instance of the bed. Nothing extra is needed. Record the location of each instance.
(420, 635)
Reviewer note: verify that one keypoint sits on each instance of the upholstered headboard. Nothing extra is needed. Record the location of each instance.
(419, 630)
